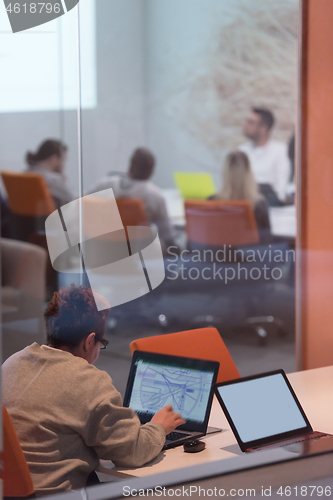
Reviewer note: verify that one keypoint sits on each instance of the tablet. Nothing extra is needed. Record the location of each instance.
(262, 410)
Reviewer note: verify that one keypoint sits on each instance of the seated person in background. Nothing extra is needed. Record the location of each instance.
(290, 199)
(291, 155)
(67, 414)
(137, 184)
(5, 218)
(238, 183)
(269, 158)
(49, 161)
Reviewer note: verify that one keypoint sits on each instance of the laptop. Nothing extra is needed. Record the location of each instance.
(194, 186)
(264, 412)
(270, 195)
(156, 380)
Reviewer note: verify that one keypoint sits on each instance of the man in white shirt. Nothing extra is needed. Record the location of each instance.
(269, 158)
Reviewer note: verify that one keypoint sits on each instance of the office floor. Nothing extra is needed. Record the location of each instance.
(250, 357)
(139, 319)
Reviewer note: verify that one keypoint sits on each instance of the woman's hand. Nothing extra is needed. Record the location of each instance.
(168, 419)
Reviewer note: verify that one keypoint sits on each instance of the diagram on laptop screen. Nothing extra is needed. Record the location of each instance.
(157, 385)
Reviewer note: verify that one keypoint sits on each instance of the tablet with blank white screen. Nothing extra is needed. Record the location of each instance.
(263, 411)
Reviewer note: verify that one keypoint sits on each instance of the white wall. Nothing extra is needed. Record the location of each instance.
(111, 130)
(188, 124)
(178, 43)
(151, 58)
(116, 126)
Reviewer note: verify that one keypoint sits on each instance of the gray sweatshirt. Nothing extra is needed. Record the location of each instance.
(57, 184)
(67, 415)
(151, 196)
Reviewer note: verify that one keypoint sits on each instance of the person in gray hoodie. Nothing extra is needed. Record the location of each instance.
(66, 412)
(137, 184)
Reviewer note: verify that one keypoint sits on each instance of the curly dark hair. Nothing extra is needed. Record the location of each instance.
(71, 315)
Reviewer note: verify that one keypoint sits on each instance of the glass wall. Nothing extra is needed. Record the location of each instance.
(156, 141)
(184, 82)
(39, 101)
(181, 79)
(147, 154)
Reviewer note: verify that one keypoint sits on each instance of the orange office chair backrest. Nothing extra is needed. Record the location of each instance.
(203, 343)
(15, 473)
(95, 209)
(132, 212)
(28, 194)
(219, 222)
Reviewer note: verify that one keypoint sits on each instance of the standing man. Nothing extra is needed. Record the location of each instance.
(268, 157)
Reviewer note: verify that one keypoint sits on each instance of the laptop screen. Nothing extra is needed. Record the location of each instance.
(194, 185)
(262, 407)
(158, 380)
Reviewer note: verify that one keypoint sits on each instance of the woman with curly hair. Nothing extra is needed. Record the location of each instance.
(67, 413)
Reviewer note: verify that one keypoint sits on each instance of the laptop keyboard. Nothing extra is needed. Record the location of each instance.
(306, 438)
(279, 444)
(173, 436)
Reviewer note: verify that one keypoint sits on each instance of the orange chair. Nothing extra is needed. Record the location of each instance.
(96, 209)
(15, 474)
(219, 222)
(132, 212)
(30, 202)
(203, 343)
(28, 194)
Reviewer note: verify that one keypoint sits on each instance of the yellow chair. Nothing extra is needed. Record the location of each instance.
(203, 343)
(15, 474)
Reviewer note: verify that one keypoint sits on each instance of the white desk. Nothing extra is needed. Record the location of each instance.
(283, 219)
(314, 388)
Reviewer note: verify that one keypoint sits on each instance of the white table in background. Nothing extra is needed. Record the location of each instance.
(283, 221)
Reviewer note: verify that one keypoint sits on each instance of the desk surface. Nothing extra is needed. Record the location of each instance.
(314, 389)
(283, 219)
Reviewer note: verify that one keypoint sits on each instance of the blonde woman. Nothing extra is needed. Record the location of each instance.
(238, 183)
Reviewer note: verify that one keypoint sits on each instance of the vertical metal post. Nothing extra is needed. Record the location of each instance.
(79, 134)
(299, 136)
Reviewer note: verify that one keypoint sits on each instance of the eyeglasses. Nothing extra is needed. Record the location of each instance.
(104, 343)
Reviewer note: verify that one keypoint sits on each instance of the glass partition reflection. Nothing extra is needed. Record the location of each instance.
(39, 100)
(148, 154)
(182, 89)
(189, 136)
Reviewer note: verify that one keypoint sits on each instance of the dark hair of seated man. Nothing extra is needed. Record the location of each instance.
(141, 164)
(266, 117)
